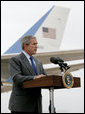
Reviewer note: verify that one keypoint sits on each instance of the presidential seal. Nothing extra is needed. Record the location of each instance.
(68, 80)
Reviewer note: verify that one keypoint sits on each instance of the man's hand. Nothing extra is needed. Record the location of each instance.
(39, 76)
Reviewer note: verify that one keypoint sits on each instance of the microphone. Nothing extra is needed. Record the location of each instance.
(60, 62)
(57, 60)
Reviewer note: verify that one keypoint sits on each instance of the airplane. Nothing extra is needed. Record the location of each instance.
(49, 31)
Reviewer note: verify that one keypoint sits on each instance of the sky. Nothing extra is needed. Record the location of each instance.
(19, 16)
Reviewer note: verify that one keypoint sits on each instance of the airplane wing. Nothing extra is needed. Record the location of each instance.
(71, 56)
(68, 56)
(74, 58)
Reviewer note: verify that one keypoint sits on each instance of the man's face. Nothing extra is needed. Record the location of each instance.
(32, 47)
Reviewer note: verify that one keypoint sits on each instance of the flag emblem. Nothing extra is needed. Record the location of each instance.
(49, 32)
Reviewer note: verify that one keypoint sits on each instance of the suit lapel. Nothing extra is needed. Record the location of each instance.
(27, 63)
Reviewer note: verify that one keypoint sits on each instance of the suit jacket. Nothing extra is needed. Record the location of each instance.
(22, 99)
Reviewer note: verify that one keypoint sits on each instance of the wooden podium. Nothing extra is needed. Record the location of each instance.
(50, 82)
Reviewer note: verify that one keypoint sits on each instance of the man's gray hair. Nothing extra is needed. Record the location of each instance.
(26, 40)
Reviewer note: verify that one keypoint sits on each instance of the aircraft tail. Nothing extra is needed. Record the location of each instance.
(48, 30)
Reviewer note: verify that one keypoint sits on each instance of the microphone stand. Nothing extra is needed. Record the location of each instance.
(51, 96)
(63, 68)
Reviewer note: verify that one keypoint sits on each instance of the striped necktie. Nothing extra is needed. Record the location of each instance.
(33, 65)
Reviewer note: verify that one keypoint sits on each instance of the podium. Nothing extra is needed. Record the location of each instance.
(50, 82)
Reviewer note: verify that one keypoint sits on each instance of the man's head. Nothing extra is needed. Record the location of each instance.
(29, 44)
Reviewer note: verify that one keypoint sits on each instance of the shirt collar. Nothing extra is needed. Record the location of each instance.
(26, 54)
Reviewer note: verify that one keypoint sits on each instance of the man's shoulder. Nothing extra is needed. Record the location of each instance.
(17, 57)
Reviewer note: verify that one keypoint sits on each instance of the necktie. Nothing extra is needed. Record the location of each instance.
(33, 65)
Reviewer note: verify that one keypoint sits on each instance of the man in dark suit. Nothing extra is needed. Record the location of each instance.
(24, 67)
